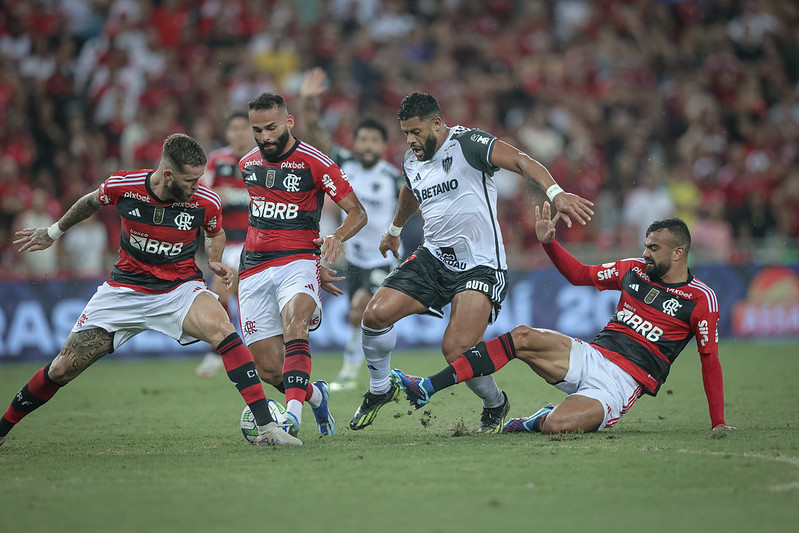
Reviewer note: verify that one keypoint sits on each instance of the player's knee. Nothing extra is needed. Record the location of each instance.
(554, 423)
(226, 329)
(375, 318)
(271, 376)
(453, 348)
(60, 373)
(525, 337)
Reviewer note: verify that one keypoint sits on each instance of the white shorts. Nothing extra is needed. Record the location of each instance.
(126, 313)
(231, 256)
(263, 295)
(593, 375)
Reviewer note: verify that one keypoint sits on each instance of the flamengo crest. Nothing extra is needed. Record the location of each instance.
(183, 221)
(670, 307)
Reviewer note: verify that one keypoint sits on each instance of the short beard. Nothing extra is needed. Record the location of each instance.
(655, 271)
(177, 193)
(280, 144)
(429, 148)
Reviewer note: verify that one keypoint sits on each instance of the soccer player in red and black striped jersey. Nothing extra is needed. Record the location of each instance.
(156, 283)
(222, 174)
(280, 275)
(662, 306)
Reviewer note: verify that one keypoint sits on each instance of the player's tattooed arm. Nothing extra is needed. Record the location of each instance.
(33, 239)
(81, 349)
(569, 206)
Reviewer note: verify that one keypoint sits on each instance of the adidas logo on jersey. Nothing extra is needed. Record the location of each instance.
(634, 286)
(134, 213)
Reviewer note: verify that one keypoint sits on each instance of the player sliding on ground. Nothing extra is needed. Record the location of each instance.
(156, 283)
(662, 306)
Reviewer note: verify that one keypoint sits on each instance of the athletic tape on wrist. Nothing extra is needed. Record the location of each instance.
(553, 191)
(54, 231)
(394, 230)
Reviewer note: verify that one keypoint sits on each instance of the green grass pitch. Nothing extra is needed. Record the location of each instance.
(146, 446)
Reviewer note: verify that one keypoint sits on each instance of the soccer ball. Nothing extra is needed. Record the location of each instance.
(247, 422)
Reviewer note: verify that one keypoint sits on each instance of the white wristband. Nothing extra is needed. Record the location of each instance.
(553, 191)
(54, 231)
(394, 231)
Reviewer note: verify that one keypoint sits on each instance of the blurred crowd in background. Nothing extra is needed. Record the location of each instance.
(648, 108)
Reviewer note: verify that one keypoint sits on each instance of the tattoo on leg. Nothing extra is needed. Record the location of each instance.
(83, 348)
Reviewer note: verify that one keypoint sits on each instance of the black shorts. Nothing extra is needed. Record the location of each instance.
(426, 279)
(368, 279)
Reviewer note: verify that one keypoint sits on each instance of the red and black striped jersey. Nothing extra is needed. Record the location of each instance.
(158, 239)
(222, 174)
(653, 321)
(286, 198)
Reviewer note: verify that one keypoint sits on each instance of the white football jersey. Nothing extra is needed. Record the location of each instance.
(377, 189)
(458, 200)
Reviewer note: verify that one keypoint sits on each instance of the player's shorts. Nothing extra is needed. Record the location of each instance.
(263, 295)
(126, 313)
(232, 254)
(426, 279)
(593, 375)
(368, 279)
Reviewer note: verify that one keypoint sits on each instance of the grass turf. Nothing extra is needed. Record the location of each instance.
(145, 445)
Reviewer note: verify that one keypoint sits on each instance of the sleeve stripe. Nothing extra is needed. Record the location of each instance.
(316, 154)
(131, 176)
(127, 183)
(249, 154)
(315, 150)
(211, 196)
(713, 304)
(488, 151)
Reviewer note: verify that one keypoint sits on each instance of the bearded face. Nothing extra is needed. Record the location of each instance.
(272, 149)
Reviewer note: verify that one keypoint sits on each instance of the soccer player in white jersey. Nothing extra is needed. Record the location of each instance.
(155, 284)
(449, 178)
(377, 182)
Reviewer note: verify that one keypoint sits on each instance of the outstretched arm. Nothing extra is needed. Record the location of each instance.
(714, 388)
(42, 238)
(313, 85)
(573, 270)
(568, 205)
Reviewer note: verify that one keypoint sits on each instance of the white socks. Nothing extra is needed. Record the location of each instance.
(353, 353)
(295, 406)
(377, 346)
(486, 388)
